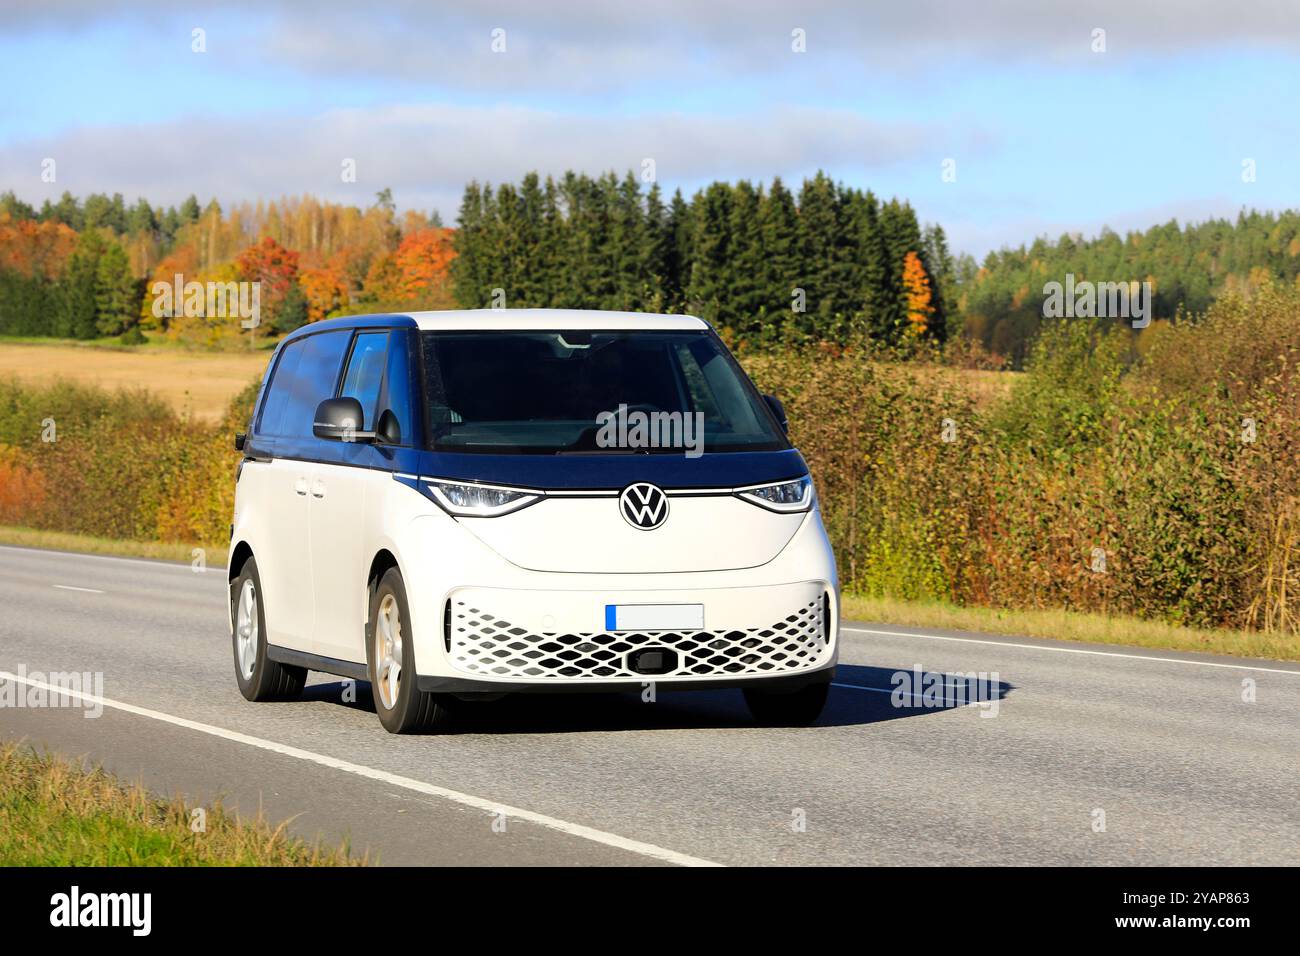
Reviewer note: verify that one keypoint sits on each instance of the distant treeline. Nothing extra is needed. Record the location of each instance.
(763, 262)
(1188, 267)
(85, 270)
(767, 264)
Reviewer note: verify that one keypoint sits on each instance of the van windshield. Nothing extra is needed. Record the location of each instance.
(590, 392)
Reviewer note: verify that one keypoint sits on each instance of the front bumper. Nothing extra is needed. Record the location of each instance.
(548, 637)
(496, 628)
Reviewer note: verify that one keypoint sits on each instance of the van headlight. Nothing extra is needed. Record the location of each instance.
(478, 501)
(784, 496)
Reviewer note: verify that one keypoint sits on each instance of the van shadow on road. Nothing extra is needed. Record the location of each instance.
(860, 695)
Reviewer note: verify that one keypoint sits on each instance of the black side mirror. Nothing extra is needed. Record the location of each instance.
(388, 428)
(340, 419)
(778, 410)
(240, 439)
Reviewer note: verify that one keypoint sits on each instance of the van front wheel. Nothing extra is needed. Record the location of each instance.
(390, 659)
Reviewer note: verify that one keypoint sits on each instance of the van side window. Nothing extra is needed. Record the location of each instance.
(313, 380)
(277, 392)
(365, 373)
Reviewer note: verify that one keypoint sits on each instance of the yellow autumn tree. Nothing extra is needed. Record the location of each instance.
(920, 295)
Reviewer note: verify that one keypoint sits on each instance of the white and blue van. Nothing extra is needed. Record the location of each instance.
(459, 505)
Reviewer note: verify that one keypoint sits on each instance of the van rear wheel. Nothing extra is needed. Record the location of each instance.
(259, 677)
(390, 659)
(798, 708)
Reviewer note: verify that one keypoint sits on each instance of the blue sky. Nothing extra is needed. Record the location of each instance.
(1047, 134)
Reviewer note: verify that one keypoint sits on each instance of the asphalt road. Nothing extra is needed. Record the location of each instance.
(1092, 755)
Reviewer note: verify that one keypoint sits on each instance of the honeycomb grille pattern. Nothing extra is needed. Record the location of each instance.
(486, 645)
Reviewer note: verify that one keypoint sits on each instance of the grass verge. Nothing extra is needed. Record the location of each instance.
(1074, 626)
(54, 812)
(214, 555)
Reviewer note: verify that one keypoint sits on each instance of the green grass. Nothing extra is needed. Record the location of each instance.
(215, 554)
(1074, 626)
(54, 812)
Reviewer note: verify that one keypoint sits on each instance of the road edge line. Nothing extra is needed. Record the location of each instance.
(383, 776)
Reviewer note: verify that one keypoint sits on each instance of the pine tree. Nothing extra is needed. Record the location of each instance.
(629, 246)
(190, 211)
(819, 231)
(78, 305)
(550, 255)
(744, 296)
(117, 295)
(939, 264)
(707, 288)
(657, 252)
(778, 229)
(874, 293)
(680, 252)
(467, 267)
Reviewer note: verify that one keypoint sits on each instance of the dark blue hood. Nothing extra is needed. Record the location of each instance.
(553, 472)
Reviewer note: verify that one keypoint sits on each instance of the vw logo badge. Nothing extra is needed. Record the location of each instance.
(644, 506)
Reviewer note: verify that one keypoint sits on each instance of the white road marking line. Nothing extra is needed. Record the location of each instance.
(406, 783)
(1071, 650)
(884, 690)
(874, 690)
(69, 587)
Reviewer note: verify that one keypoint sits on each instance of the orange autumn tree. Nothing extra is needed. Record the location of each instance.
(34, 248)
(276, 268)
(325, 290)
(182, 261)
(422, 261)
(920, 295)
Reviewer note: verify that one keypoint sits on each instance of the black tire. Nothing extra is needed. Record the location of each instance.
(268, 680)
(797, 708)
(412, 710)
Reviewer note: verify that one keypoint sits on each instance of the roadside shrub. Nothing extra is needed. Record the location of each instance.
(22, 486)
(121, 465)
(1165, 485)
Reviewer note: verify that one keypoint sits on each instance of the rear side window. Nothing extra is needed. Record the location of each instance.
(365, 373)
(304, 377)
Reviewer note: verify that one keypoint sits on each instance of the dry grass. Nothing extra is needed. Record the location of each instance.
(55, 812)
(984, 387)
(1074, 626)
(202, 383)
(214, 554)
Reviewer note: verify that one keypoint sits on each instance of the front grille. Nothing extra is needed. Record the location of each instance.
(487, 645)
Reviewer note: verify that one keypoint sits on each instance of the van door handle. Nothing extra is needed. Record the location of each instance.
(300, 486)
(318, 488)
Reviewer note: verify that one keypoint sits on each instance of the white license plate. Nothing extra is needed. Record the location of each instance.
(654, 617)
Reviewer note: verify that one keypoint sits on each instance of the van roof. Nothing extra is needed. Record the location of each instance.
(553, 319)
(507, 319)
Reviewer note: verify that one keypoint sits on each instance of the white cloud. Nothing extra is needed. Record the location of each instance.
(427, 153)
(596, 46)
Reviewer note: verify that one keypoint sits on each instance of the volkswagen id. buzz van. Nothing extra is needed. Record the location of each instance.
(459, 505)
